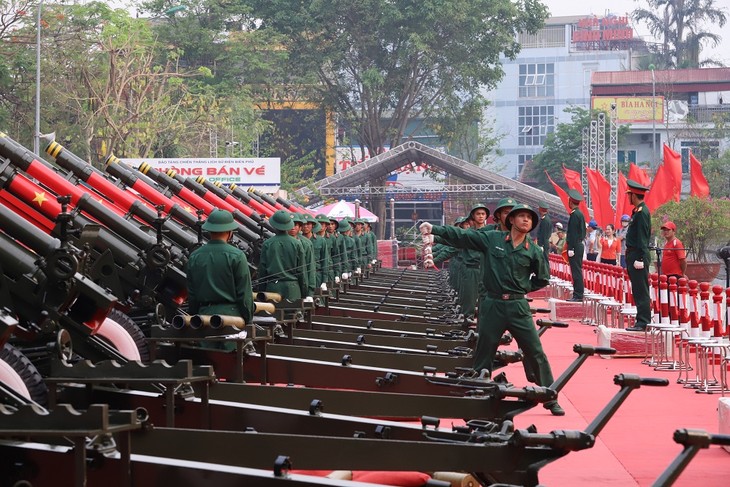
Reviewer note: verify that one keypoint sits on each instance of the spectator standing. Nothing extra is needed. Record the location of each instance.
(555, 238)
(674, 255)
(610, 246)
(592, 241)
(575, 238)
(621, 235)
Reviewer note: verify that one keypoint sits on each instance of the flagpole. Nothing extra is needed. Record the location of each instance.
(653, 118)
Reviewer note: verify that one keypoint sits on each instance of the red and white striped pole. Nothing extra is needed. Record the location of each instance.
(693, 308)
(705, 310)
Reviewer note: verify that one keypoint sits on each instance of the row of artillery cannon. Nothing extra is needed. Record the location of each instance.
(102, 364)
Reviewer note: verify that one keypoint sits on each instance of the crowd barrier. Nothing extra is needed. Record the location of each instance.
(689, 332)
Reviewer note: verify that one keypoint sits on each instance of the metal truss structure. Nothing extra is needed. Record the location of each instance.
(613, 155)
(355, 180)
(467, 188)
(594, 154)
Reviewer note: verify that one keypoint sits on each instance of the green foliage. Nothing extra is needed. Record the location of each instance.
(681, 28)
(717, 173)
(377, 58)
(460, 125)
(702, 224)
(298, 172)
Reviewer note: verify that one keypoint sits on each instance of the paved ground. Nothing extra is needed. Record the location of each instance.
(636, 445)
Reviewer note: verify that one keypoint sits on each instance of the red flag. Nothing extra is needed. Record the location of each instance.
(600, 198)
(639, 175)
(673, 168)
(573, 179)
(622, 202)
(560, 192)
(574, 182)
(662, 189)
(698, 182)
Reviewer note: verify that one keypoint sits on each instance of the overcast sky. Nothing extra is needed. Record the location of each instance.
(623, 7)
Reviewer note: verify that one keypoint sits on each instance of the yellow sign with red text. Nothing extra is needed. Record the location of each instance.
(636, 109)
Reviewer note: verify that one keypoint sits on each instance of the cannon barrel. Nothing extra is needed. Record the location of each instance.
(213, 198)
(193, 198)
(245, 196)
(109, 214)
(286, 204)
(227, 196)
(124, 199)
(151, 191)
(142, 264)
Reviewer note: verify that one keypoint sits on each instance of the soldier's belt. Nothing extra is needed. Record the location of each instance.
(506, 297)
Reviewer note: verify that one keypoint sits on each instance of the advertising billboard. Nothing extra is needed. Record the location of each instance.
(632, 109)
(264, 173)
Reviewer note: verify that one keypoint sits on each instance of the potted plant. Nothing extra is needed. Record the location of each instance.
(703, 225)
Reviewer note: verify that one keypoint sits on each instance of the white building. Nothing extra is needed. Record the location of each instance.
(551, 73)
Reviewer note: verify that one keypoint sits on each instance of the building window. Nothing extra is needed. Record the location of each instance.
(537, 80)
(707, 149)
(625, 156)
(550, 36)
(534, 124)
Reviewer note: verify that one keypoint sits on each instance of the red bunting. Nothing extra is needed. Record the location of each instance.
(600, 189)
(573, 179)
(639, 175)
(622, 201)
(698, 182)
(662, 189)
(673, 168)
(560, 192)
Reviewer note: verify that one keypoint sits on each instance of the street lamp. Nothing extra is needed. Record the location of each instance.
(653, 118)
(37, 127)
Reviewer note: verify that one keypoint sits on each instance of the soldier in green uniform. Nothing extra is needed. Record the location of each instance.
(347, 246)
(452, 254)
(637, 254)
(373, 241)
(309, 236)
(327, 272)
(218, 278)
(281, 268)
(574, 239)
(360, 243)
(515, 266)
(335, 247)
(310, 273)
(504, 206)
(545, 229)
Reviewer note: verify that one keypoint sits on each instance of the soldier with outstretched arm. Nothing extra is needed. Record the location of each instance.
(514, 266)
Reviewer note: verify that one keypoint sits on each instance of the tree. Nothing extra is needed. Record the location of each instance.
(380, 63)
(701, 224)
(679, 25)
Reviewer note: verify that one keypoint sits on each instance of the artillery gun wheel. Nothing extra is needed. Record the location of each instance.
(26, 372)
(134, 332)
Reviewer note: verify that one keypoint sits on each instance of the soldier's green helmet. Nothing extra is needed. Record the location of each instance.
(282, 220)
(219, 221)
(308, 218)
(322, 218)
(344, 226)
(520, 207)
(298, 218)
(504, 203)
(478, 206)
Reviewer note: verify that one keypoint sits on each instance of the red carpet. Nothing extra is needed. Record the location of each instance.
(636, 445)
